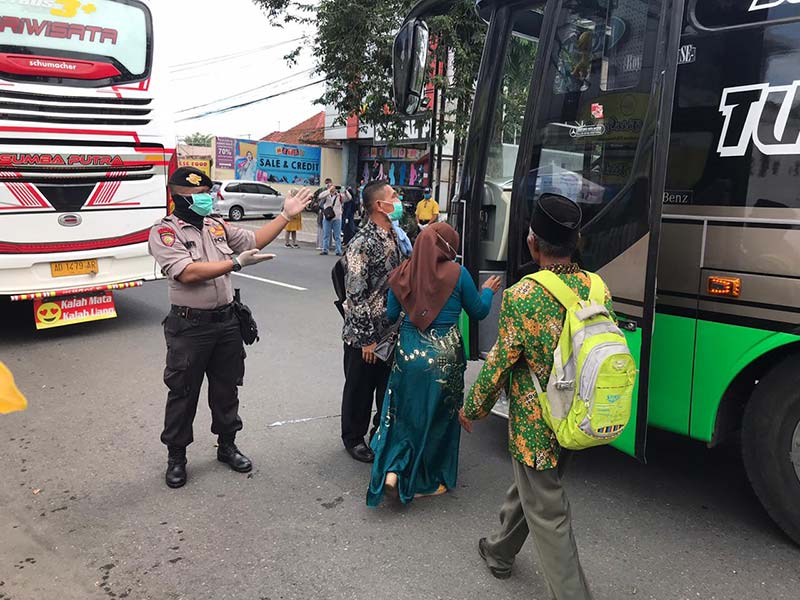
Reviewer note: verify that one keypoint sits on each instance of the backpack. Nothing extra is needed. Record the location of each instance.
(590, 391)
(337, 276)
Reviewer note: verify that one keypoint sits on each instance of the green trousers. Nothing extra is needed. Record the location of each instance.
(537, 504)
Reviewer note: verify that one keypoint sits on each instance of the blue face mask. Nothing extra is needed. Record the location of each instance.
(202, 204)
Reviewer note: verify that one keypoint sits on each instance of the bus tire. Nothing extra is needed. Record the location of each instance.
(771, 444)
(235, 213)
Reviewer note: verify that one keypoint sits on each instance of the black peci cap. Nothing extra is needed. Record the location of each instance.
(556, 219)
(190, 177)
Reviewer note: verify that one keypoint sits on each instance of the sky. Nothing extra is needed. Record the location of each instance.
(239, 29)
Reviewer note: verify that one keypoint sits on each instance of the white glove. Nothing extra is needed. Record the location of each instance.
(252, 257)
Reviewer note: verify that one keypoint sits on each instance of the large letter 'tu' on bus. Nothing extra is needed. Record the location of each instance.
(741, 106)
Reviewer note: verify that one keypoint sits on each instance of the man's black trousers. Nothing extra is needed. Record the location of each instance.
(363, 385)
(195, 350)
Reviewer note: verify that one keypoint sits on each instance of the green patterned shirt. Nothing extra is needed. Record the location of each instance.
(531, 320)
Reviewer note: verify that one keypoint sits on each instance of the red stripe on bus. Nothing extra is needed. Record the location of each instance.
(48, 247)
(95, 132)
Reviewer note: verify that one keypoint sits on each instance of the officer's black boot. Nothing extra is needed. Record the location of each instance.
(228, 453)
(176, 467)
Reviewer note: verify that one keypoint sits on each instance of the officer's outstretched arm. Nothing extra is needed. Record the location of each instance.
(294, 205)
(204, 271)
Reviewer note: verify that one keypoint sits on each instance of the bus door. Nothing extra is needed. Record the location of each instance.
(596, 131)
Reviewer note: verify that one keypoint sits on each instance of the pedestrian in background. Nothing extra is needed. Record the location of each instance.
(197, 253)
(331, 204)
(326, 192)
(369, 259)
(427, 210)
(349, 209)
(416, 446)
(531, 321)
(295, 225)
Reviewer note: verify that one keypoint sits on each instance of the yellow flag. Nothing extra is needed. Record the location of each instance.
(11, 399)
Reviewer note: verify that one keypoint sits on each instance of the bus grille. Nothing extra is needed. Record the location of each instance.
(73, 110)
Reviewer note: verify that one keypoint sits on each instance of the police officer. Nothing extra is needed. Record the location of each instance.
(197, 253)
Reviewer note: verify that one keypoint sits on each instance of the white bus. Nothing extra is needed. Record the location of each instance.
(86, 148)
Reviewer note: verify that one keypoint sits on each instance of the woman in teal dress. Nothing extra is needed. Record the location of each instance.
(416, 446)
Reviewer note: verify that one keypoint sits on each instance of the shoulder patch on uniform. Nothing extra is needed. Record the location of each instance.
(217, 230)
(167, 236)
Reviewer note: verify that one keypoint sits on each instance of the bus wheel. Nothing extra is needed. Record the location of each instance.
(236, 213)
(771, 444)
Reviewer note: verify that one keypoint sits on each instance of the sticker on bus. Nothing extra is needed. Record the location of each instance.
(69, 310)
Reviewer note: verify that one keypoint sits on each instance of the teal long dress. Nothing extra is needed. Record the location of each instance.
(419, 433)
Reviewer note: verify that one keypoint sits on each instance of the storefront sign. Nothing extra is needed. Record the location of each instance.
(284, 163)
(225, 150)
(204, 164)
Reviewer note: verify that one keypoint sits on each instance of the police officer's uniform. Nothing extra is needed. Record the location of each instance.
(202, 333)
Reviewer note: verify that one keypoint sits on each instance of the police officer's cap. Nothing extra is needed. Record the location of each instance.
(190, 177)
(556, 219)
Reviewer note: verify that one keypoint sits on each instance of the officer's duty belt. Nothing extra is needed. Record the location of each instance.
(213, 315)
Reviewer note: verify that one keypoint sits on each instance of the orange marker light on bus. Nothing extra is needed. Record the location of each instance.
(725, 286)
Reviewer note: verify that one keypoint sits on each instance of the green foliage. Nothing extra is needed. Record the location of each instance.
(352, 46)
(198, 139)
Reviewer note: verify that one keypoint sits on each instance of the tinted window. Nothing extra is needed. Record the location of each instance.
(736, 124)
(249, 188)
(716, 14)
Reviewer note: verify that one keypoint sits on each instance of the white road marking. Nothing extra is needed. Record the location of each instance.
(271, 282)
(296, 421)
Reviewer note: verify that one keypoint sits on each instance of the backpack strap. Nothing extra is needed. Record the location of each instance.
(597, 289)
(553, 284)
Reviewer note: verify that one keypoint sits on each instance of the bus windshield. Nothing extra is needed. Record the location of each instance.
(102, 41)
(592, 108)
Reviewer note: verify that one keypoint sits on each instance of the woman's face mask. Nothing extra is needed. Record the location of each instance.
(202, 204)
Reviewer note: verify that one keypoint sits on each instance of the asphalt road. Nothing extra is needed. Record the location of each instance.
(84, 512)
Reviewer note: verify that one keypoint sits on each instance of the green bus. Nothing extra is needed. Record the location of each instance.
(675, 124)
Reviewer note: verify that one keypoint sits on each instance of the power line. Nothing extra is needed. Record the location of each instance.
(261, 87)
(225, 57)
(250, 103)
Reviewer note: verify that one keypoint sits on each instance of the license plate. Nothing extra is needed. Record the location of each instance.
(74, 267)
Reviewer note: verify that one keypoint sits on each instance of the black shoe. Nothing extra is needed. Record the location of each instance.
(176, 469)
(228, 453)
(361, 453)
(498, 573)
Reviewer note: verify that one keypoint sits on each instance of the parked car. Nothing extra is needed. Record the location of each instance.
(239, 199)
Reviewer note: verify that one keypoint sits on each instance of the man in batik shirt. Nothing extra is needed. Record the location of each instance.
(531, 320)
(371, 255)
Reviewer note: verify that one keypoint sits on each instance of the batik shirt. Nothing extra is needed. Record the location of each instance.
(531, 320)
(369, 259)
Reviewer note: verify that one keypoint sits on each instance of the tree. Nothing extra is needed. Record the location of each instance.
(352, 46)
(198, 139)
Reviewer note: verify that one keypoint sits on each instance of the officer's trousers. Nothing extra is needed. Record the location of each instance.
(537, 504)
(195, 350)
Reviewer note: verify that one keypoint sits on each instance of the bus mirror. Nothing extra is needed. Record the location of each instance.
(408, 64)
